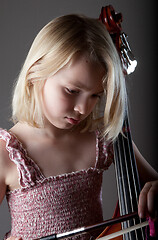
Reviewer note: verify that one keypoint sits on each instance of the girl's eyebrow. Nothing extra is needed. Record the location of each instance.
(80, 85)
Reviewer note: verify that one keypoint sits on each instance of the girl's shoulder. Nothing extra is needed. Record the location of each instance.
(7, 143)
(3, 146)
(6, 166)
(11, 149)
(3, 169)
(18, 169)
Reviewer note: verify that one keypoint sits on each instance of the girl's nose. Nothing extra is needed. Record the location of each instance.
(81, 107)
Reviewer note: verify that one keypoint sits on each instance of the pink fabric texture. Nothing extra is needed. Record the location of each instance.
(57, 204)
(152, 228)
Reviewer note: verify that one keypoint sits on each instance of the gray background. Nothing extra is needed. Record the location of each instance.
(20, 21)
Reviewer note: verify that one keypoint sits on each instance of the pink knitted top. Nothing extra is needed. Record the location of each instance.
(56, 204)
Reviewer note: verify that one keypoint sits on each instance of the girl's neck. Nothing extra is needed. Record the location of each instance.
(53, 132)
(49, 131)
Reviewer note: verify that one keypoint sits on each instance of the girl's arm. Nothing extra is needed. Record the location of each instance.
(148, 198)
(4, 166)
(146, 172)
(2, 189)
(2, 171)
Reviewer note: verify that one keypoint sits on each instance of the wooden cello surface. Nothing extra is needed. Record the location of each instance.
(113, 228)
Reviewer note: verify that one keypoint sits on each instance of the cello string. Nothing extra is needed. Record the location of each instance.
(121, 183)
(127, 171)
(135, 177)
(119, 178)
(128, 193)
(124, 173)
(130, 177)
(133, 162)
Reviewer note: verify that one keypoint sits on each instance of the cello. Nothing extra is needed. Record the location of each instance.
(128, 184)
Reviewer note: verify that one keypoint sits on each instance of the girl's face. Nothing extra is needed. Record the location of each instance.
(71, 94)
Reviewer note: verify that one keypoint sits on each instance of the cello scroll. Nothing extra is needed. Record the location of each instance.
(112, 22)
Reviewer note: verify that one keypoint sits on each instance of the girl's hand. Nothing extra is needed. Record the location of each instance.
(148, 201)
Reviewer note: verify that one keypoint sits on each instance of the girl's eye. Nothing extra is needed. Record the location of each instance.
(71, 91)
(96, 96)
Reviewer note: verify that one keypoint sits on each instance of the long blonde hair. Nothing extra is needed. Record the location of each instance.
(53, 48)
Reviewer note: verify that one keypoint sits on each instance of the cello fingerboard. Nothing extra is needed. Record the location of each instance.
(127, 180)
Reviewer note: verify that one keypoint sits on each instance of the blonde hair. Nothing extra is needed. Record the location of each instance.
(55, 46)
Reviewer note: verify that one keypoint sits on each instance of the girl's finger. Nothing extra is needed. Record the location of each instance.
(152, 200)
(142, 205)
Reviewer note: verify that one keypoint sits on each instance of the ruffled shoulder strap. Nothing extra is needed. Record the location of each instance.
(29, 172)
(105, 156)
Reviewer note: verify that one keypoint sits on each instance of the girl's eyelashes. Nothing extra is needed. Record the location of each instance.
(71, 91)
(97, 95)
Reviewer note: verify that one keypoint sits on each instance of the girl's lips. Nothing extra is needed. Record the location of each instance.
(73, 121)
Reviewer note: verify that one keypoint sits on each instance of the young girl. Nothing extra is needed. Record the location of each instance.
(53, 158)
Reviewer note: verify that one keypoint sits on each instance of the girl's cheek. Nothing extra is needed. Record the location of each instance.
(67, 104)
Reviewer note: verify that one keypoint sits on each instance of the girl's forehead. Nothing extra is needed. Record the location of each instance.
(83, 73)
(86, 64)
